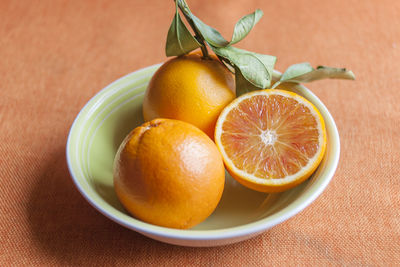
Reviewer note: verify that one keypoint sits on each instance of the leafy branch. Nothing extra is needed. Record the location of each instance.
(253, 71)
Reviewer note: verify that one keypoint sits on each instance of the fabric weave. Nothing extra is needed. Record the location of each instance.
(55, 55)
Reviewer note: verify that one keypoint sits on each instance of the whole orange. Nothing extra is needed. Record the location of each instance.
(189, 88)
(169, 173)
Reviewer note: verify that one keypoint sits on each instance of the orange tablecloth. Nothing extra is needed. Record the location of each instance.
(55, 55)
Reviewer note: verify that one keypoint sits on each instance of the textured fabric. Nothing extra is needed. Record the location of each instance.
(55, 55)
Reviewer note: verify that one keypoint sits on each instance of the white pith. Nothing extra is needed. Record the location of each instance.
(268, 137)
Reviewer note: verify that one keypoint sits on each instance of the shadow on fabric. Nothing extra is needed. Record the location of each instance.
(65, 226)
(66, 229)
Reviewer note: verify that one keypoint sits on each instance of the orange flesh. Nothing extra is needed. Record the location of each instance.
(270, 136)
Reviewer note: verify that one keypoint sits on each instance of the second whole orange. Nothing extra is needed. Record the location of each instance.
(169, 173)
(190, 88)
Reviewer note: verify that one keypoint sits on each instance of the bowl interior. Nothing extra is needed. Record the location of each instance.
(116, 110)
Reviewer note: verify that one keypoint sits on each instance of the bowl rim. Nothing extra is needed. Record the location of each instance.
(248, 229)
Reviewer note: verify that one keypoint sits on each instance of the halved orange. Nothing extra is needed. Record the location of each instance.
(271, 140)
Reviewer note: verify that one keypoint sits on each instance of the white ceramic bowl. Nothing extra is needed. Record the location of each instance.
(242, 213)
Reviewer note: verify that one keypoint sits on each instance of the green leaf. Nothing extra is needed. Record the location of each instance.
(332, 73)
(244, 25)
(241, 30)
(242, 85)
(296, 70)
(255, 68)
(304, 72)
(211, 35)
(179, 40)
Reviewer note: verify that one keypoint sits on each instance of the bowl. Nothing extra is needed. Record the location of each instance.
(242, 213)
